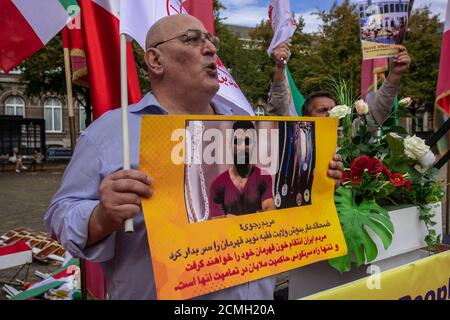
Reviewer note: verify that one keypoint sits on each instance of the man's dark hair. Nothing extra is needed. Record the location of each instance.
(243, 124)
(309, 99)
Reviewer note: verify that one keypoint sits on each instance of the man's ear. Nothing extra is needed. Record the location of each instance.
(153, 61)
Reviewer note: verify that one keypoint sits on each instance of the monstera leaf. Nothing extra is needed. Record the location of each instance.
(355, 219)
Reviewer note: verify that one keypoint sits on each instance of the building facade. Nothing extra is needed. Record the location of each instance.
(53, 109)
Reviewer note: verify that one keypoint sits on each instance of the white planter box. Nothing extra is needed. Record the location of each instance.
(409, 231)
(408, 238)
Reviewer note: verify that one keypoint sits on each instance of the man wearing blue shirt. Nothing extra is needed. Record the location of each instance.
(96, 196)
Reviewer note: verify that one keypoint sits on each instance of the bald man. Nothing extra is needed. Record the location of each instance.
(96, 196)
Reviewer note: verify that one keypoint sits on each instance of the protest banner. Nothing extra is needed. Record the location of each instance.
(237, 199)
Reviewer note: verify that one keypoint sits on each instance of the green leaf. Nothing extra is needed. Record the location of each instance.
(355, 219)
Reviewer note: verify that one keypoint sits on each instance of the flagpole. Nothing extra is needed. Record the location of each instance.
(129, 226)
(73, 139)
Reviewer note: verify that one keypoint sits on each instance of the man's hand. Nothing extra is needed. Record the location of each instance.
(400, 64)
(335, 169)
(120, 199)
(281, 54)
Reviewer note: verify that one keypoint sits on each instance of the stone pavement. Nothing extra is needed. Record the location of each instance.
(24, 198)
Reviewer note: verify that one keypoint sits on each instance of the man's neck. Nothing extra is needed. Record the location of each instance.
(174, 104)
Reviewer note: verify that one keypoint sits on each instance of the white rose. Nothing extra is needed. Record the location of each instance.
(340, 111)
(405, 102)
(415, 147)
(361, 107)
(427, 160)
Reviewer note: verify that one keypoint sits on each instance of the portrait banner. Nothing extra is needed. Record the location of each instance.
(383, 26)
(237, 199)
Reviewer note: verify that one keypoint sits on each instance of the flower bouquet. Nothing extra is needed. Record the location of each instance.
(383, 166)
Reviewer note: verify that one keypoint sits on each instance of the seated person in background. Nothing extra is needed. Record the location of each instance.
(16, 158)
(37, 158)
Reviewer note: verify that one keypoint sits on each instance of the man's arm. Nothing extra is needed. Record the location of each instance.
(70, 217)
(384, 98)
(278, 102)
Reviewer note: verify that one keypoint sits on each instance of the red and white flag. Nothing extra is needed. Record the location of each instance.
(138, 16)
(14, 255)
(443, 87)
(26, 26)
(282, 21)
(369, 69)
(100, 29)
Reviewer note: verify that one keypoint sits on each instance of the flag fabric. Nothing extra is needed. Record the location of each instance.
(14, 255)
(72, 39)
(297, 98)
(26, 26)
(203, 11)
(139, 15)
(284, 26)
(442, 105)
(368, 70)
(67, 275)
(100, 30)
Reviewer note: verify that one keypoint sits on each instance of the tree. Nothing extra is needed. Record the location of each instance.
(423, 42)
(336, 50)
(43, 74)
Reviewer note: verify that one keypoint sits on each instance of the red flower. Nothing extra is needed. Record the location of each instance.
(408, 184)
(386, 171)
(397, 180)
(361, 164)
(344, 176)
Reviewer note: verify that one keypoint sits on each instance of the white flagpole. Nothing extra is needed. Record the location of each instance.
(129, 226)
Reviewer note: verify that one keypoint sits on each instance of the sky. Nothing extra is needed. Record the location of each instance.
(250, 12)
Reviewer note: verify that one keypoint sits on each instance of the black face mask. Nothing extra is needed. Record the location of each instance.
(242, 163)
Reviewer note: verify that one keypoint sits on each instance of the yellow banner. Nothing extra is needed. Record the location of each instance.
(212, 174)
(425, 279)
(373, 50)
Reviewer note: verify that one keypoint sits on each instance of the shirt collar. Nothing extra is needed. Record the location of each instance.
(150, 105)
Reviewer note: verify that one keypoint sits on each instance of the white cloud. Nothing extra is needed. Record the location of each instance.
(312, 21)
(248, 16)
(436, 6)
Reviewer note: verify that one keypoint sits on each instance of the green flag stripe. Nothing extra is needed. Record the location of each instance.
(71, 7)
(297, 96)
(37, 291)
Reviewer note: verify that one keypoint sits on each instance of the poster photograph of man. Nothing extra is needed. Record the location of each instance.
(243, 167)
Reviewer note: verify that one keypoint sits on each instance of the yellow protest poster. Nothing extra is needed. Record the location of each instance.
(425, 279)
(383, 26)
(237, 199)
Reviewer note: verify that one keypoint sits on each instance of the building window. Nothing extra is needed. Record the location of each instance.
(15, 106)
(53, 115)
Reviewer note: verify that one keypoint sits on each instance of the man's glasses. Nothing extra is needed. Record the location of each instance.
(194, 37)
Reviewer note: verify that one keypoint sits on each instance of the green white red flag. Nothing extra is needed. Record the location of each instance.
(26, 26)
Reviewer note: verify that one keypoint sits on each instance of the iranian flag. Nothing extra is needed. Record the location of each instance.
(101, 40)
(138, 16)
(26, 26)
(442, 106)
(284, 26)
